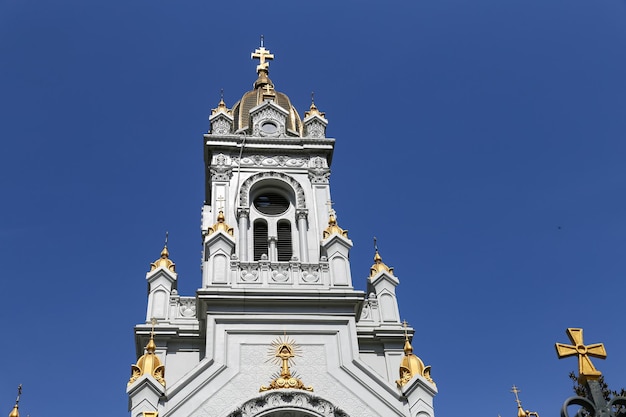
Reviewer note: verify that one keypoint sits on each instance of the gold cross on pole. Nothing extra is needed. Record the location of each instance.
(153, 322)
(585, 367)
(219, 200)
(268, 90)
(516, 391)
(262, 55)
(331, 211)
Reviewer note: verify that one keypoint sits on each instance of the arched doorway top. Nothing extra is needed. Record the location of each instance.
(277, 403)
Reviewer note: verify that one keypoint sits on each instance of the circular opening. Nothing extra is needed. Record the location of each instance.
(269, 127)
(271, 203)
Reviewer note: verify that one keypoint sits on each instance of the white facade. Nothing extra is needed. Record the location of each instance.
(274, 268)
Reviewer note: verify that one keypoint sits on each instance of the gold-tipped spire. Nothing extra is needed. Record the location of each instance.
(221, 106)
(333, 227)
(313, 109)
(164, 260)
(283, 350)
(148, 363)
(520, 411)
(411, 365)
(379, 265)
(586, 370)
(220, 225)
(263, 55)
(15, 411)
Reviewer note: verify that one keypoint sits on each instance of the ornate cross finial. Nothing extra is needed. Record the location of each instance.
(312, 97)
(586, 370)
(406, 333)
(262, 55)
(221, 94)
(516, 391)
(166, 237)
(375, 244)
(262, 39)
(220, 199)
(268, 89)
(153, 322)
(331, 211)
(19, 394)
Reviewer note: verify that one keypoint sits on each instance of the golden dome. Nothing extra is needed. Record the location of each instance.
(14, 412)
(263, 91)
(379, 266)
(220, 225)
(148, 364)
(221, 107)
(313, 111)
(411, 365)
(163, 261)
(333, 228)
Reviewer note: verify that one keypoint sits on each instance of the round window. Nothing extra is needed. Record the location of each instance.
(269, 128)
(271, 203)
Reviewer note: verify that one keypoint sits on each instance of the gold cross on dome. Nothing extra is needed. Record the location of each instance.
(516, 391)
(262, 55)
(153, 322)
(268, 90)
(585, 367)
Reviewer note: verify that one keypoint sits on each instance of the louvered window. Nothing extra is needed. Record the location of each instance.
(283, 244)
(271, 203)
(260, 239)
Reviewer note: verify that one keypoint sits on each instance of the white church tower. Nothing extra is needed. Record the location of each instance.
(276, 328)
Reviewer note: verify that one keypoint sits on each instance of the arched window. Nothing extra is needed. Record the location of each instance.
(285, 249)
(260, 239)
(272, 218)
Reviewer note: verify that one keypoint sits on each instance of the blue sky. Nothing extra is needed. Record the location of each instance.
(481, 142)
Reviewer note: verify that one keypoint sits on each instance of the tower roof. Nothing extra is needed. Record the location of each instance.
(264, 91)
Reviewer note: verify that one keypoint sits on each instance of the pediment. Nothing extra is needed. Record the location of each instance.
(269, 120)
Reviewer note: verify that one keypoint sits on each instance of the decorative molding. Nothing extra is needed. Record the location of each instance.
(249, 273)
(310, 274)
(268, 161)
(302, 214)
(220, 171)
(221, 126)
(187, 307)
(313, 405)
(315, 129)
(319, 173)
(245, 187)
(272, 115)
(280, 273)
